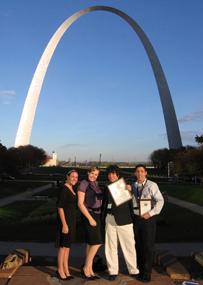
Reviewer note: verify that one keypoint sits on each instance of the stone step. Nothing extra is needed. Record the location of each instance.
(20, 257)
(199, 258)
(177, 271)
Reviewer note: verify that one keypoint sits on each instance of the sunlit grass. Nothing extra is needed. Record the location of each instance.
(189, 192)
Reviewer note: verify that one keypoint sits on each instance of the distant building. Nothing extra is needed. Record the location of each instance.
(52, 161)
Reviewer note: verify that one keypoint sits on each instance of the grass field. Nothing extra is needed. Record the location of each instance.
(35, 220)
(8, 188)
(177, 224)
(188, 192)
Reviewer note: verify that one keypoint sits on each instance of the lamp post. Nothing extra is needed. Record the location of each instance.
(100, 155)
(168, 169)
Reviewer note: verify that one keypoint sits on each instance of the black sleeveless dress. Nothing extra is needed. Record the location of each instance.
(68, 201)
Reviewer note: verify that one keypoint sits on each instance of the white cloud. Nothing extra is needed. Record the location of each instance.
(7, 96)
(191, 117)
(73, 145)
(188, 137)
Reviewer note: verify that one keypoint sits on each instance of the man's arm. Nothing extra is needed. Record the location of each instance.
(158, 199)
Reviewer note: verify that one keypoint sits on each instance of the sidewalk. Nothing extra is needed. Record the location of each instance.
(187, 205)
(23, 195)
(45, 275)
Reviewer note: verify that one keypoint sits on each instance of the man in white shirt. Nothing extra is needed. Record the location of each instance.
(147, 203)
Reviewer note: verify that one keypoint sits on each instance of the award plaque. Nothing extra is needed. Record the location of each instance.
(145, 205)
(119, 192)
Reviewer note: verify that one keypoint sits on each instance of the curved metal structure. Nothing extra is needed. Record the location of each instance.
(28, 114)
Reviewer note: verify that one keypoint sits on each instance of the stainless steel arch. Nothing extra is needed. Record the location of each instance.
(27, 117)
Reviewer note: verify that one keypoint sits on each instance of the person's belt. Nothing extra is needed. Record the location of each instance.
(109, 208)
(136, 211)
(109, 211)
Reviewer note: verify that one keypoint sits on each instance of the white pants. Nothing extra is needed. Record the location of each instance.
(125, 236)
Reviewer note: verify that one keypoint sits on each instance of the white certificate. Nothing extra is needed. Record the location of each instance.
(145, 206)
(119, 192)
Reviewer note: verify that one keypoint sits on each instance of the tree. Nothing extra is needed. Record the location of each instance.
(199, 139)
(14, 159)
(31, 156)
(189, 162)
(3, 154)
(160, 158)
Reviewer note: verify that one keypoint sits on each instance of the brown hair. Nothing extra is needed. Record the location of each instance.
(93, 168)
(71, 171)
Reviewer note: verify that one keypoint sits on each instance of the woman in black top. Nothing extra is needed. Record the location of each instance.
(66, 210)
(89, 203)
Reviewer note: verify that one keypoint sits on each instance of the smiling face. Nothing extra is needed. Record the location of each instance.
(92, 175)
(112, 177)
(72, 178)
(141, 174)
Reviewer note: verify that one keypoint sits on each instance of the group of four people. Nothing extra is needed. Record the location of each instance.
(123, 224)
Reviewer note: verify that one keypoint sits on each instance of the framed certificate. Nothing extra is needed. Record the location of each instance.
(145, 205)
(119, 192)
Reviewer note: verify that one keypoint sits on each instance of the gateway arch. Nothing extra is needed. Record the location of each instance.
(28, 114)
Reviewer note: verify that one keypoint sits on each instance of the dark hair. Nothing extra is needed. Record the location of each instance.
(113, 169)
(71, 171)
(140, 165)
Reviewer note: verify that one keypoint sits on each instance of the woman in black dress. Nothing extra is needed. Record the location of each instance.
(66, 212)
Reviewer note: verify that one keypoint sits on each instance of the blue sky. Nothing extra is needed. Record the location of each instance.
(99, 93)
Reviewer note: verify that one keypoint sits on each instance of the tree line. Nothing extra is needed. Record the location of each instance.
(13, 159)
(186, 161)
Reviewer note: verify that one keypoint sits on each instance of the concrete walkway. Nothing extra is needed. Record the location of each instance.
(45, 275)
(23, 195)
(187, 205)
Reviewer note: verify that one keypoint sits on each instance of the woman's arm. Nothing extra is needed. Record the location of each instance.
(63, 220)
(83, 209)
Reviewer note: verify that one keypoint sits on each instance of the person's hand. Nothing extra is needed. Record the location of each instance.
(65, 229)
(146, 216)
(128, 187)
(93, 223)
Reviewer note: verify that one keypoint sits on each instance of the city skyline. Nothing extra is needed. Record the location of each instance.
(109, 78)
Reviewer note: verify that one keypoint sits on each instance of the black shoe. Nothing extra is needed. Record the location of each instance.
(87, 277)
(69, 277)
(96, 277)
(146, 278)
(136, 276)
(59, 276)
(112, 277)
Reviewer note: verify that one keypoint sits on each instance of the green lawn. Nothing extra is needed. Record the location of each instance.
(188, 192)
(36, 221)
(176, 224)
(51, 192)
(8, 188)
(17, 211)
